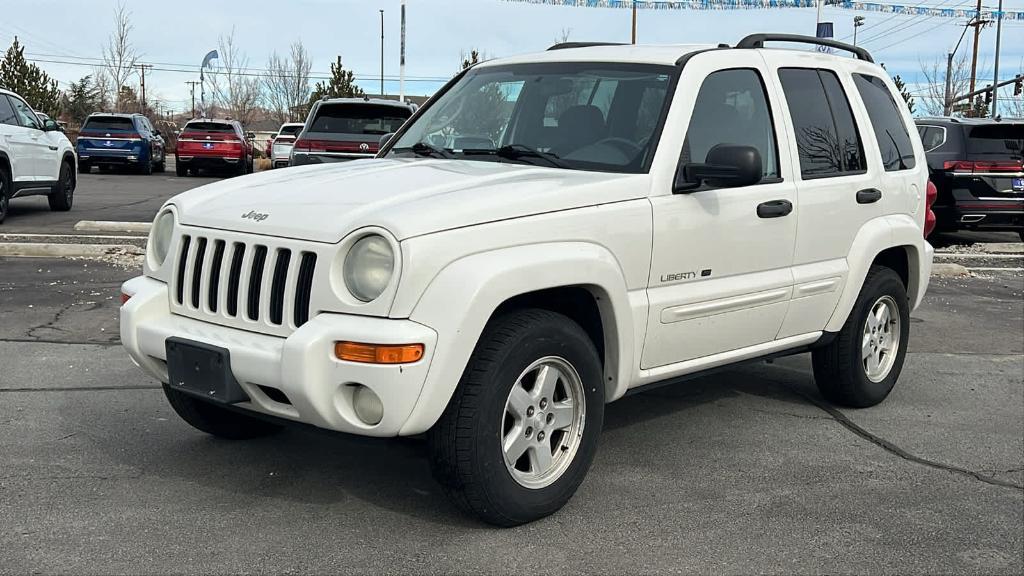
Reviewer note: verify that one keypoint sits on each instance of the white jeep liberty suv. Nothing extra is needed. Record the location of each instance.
(549, 232)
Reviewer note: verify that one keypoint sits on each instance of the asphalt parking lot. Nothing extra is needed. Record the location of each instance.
(746, 471)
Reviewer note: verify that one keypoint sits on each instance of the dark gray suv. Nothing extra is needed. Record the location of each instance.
(339, 129)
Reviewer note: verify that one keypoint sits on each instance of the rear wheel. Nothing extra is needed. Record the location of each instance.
(161, 166)
(84, 167)
(146, 167)
(522, 428)
(5, 193)
(217, 420)
(860, 367)
(63, 193)
(180, 170)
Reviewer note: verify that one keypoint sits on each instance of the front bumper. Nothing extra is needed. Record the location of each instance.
(317, 386)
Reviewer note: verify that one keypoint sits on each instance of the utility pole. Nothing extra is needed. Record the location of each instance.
(995, 78)
(142, 83)
(978, 23)
(947, 104)
(634, 23)
(401, 61)
(858, 21)
(382, 52)
(192, 85)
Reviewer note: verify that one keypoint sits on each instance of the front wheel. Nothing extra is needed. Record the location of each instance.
(217, 420)
(63, 193)
(522, 428)
(5, 194)
(860, 367)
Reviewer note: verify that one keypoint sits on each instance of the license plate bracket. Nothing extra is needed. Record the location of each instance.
(202, 370)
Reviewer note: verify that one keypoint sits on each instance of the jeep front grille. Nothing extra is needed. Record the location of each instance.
(261, 284)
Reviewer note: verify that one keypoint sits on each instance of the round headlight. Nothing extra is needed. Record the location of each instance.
(368, 267)
(160, 239)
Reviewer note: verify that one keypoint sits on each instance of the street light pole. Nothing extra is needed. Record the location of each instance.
(858, 21)
(382, 53)
(995, 79)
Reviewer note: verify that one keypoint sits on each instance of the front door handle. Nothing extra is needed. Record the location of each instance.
(868, 196)
(774, 209)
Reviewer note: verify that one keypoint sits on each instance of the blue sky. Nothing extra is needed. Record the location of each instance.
(438, 30)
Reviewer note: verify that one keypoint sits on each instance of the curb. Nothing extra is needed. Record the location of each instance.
(108, 226)
(944, 270)
(27, 250)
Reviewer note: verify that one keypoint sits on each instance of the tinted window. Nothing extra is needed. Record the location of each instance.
(26, 117)
(995, 140)
(890, 131)
(359, 119)
(108, 124)
(731, 108)
(7, 112)
(931, 137)
(826, 134)
(291, 130)
(221, 127)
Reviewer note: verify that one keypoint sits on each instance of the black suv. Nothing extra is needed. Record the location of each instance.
(339, 129)
(110, 139)
(977, 165)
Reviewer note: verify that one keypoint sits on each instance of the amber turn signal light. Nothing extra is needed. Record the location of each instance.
(378, 353)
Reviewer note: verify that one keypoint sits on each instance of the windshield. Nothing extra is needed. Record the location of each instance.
(108, 123)
(359, 119)
(584, 116)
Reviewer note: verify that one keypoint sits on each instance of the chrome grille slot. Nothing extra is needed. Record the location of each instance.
(257, 283)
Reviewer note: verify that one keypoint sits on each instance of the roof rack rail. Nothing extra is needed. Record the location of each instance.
(566, 45)
(758, 40)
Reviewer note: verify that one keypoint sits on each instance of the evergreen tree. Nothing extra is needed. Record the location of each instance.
(29, 81)
(904, 92)
(341, 85)
(81, 99)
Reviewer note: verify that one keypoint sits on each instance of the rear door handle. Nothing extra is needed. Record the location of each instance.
(774, 208)
(868, 196)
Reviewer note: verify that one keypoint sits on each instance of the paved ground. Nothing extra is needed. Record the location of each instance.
(744, 472)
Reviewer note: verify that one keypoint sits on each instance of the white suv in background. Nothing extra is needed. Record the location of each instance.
(281, 145)
(36, 158)
(550, 232)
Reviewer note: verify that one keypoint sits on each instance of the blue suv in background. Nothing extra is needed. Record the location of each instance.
(107, 140)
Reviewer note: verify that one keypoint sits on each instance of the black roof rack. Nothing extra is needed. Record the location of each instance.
(758, 40)
(566, 45)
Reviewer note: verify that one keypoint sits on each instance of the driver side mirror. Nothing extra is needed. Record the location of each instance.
(384, 139)
(726, 166)
(49, 125)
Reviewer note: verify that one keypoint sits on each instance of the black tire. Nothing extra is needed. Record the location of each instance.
(466, 455)
(242, 168)
(84, 167)
(106, 168)
(161, 166)
(63, 194)
(180, 170)
(5, 193)
(146, 168)
(217, 420)
(839, 369)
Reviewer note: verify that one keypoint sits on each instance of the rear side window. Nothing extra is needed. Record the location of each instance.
(109, 123)
(890, 131)
(731, 108)
(210, 127)
(996, 140)
(6, 112)
(823, 123)
(359, 119)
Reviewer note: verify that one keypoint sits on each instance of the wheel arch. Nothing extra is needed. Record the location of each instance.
(70, 158)
(896, 242)
(581, 280)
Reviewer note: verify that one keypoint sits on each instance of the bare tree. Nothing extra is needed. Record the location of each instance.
(563, 36)
(104, 89)
(934, 91)
(119, 55)
(234, 89)
(286, 83)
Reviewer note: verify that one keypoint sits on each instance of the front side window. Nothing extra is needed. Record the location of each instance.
(572, 115)
(731, 108)
(26, 117)
(823, 124)
(890, 131)
(358, 119)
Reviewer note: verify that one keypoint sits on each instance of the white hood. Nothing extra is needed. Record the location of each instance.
(408, 197)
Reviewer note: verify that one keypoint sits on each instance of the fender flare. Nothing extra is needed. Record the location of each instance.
(874, 237)
(483, 281)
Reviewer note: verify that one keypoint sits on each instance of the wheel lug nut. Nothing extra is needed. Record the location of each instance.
(529, 411)
(543, 403)
(540, 436)
(529, 431)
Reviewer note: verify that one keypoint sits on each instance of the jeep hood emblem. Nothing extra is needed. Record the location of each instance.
(255, 216)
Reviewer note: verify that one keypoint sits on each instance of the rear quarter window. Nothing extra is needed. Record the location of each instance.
(891, 132)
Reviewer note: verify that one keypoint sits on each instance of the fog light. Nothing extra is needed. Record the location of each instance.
(367, 405)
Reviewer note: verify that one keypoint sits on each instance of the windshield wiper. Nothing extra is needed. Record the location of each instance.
(424, 149)
(519, 152)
